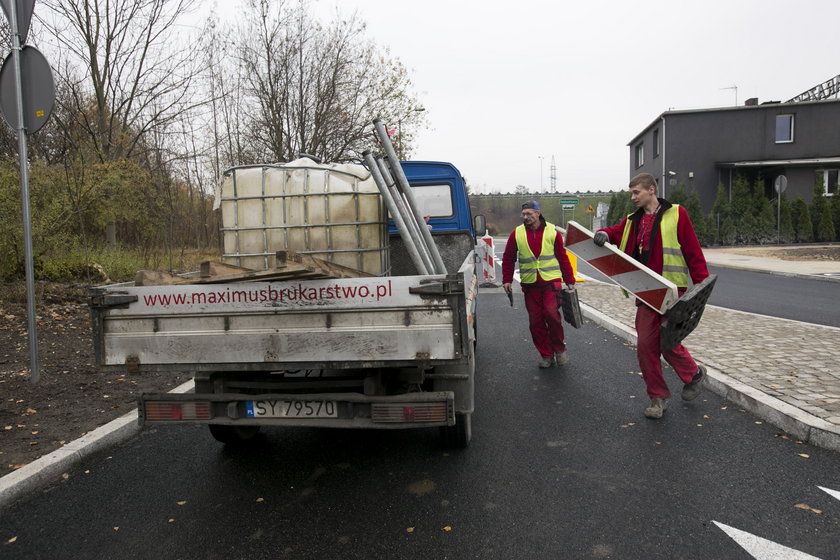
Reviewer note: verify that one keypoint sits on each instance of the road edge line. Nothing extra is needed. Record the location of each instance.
(49, 468)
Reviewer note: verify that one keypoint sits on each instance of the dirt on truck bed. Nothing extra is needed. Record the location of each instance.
(72, 397)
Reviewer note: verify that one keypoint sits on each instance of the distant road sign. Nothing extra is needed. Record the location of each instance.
(572, 201)
(780, 184)
(590, 209)
(569, 206)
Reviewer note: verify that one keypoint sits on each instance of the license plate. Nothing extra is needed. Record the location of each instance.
(291, 409)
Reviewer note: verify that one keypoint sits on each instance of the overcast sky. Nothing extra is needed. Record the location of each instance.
(505, 82)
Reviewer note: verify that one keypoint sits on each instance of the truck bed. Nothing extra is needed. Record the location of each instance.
(313, 324)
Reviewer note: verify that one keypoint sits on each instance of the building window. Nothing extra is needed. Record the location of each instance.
(830, 179)
(784, 128)
(640, 154)
(656, 143)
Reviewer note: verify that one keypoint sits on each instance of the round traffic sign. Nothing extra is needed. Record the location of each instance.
(780, 184)
(38, 90)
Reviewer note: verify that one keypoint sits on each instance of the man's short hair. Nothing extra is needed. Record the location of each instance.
(644, 179)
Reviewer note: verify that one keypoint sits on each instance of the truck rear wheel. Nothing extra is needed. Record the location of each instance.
(459, 435)
(233, 434)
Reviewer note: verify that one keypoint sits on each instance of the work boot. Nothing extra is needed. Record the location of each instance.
(691, 390)
(545, 362)
(656, 408)
(560, 358)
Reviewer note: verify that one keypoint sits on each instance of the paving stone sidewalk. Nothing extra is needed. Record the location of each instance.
(786, 371)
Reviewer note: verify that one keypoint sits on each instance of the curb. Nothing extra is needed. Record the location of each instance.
(50, 467)
(776, 272)
(792, 420)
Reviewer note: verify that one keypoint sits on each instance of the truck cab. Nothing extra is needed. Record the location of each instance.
(441, 194)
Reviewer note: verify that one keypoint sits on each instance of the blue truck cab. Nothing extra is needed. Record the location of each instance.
(441, 194)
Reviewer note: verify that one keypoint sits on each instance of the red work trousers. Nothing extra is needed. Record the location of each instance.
(544, 319)
(649, 352)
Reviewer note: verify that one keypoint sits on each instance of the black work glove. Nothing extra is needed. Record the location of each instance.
(600, 238)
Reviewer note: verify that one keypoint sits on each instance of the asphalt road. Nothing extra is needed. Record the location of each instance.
(562, 465)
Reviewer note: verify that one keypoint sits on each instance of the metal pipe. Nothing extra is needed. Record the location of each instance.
(402, 184)
(412, 226)
(395, 214)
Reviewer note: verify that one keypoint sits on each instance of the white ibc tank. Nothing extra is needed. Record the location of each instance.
(331, 211)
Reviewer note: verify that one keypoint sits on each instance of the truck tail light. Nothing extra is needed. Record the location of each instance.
(174, 411)
(409, 412)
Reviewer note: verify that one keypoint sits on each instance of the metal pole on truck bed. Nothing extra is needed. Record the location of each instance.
(410, 221)
(395, 213)
(402, 183)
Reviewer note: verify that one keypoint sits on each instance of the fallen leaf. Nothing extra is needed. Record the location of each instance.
(171, 521)
(8, 427)
(409, 530)
(260, 500)
(116, 528)
(805, 455)
(447, 528)
(699, 425)
(181, 503)
(10, 541)
(20, 466)
(65, 476)
(31, 411)
(706, 416)
(759, 422)
(806, 507)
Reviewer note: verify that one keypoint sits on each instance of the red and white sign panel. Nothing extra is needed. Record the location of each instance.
(487, 255)
(646, 285)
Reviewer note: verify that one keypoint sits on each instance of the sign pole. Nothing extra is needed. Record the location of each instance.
(34, 370)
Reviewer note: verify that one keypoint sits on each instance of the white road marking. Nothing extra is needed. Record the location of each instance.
(762, 549)
(830, 492)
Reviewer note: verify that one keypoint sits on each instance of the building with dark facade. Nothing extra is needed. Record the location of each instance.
(799, 139)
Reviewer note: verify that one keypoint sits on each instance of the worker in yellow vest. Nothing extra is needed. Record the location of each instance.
(660, 236)
(543, 262)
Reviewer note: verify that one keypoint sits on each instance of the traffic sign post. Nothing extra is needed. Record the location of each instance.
(780, 184)
(26, 73)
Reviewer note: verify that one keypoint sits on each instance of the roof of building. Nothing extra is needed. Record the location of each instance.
(763, 106)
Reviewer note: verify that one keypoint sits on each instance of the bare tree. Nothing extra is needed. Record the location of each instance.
(128, 72)
(317, 88)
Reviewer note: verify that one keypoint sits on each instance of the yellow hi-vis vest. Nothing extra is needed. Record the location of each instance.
(546, 264)
(674, 267)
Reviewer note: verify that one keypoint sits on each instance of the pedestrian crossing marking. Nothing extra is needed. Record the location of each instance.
(762, 549)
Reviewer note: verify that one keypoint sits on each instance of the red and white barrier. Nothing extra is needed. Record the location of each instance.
(487, 255)
(651, 288)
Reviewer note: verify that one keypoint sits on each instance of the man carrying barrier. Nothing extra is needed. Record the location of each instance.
(660, 236)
